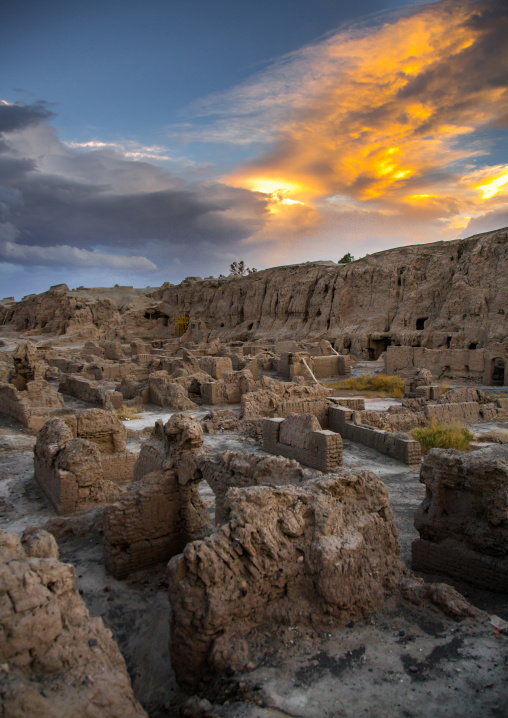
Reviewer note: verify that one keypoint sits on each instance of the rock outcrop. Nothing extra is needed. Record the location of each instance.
(56, 661)
(463, 520)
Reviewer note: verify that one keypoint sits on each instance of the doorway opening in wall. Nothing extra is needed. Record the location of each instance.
(194, 391)
(497, 370)
(473, 345)
(377, 347)
(420, 323)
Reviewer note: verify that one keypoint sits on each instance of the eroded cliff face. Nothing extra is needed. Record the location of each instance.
(417, 295)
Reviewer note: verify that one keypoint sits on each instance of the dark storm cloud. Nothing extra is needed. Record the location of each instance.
(17, 117)
(100, 206)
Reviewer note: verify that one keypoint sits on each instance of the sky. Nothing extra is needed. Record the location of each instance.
(144, 142)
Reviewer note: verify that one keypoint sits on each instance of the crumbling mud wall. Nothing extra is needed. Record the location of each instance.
(81, 460)
(398, 447)
(85, 390)
(229, 389)
(33, 406)
(317, 407)
(164, 391)
(238, 469)
(162, 510)
(463, 520)
(57, 661)
(477, 363)
(293, 364)
(300, 437)
(215, 366)
(265, 400)
(326, 550)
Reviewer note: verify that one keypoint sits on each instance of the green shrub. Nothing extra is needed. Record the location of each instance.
(389, 385)
(443, 436)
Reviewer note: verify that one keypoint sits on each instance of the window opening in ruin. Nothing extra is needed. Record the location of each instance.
(473, 345)
(180, 324)
(498, 367)
(448, 341)
(420, 323)
(250, 326)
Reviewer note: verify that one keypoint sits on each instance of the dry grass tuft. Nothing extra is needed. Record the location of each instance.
(382, 383)
(445, 386)
(443, 436)
(127, 412)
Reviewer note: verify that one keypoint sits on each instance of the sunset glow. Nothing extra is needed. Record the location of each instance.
(381, 114)
(356, 133)
(494, 186)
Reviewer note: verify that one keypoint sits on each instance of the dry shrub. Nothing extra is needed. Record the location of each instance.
(497, 436)
(443, 436)
(388, 385)
(127, 412)
(445, 386)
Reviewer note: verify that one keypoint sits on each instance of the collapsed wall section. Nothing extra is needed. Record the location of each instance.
(328, 550)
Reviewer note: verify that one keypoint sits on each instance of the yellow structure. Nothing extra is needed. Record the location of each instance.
(180, 324)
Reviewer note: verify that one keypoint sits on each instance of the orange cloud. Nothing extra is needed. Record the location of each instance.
(386, 117)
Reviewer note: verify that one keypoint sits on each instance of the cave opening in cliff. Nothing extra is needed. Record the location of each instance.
(420, 323)
(497, 370)
(154, 314)
(473, 345)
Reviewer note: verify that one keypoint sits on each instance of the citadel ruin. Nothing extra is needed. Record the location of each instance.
(199, 520)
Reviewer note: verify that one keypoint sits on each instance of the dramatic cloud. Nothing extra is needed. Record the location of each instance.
(98, 206)
(387, 132)
(17, 117)
(396, 117)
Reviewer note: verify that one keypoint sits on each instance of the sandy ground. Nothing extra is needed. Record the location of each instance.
(403, 661)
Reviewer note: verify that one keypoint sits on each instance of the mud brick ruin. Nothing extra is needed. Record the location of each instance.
(226, 468)
(162, 511)
(33, 406)
(284, 553)
(463, 522)
(65, 662)
(300, 437)
(398, 447)
(81, 459)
